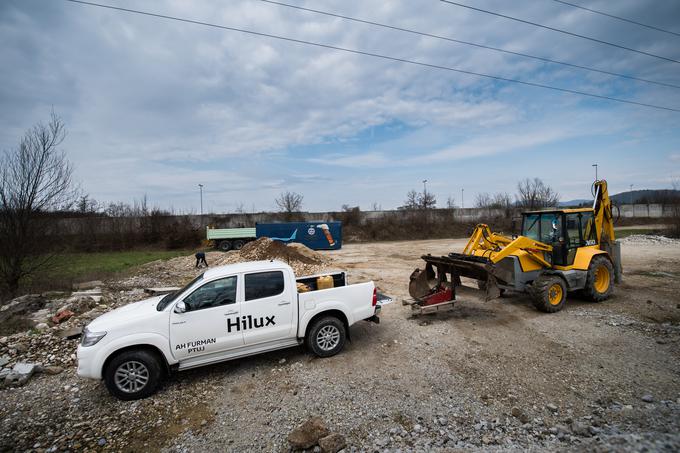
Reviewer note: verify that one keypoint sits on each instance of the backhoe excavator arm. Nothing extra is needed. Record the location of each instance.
(602, 207)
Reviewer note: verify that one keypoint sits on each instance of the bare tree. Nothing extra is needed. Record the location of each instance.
(411, 201)
(35, 179)
(450, 202)
(427, 200)
(289, 203)
(535, 194)
(483, 200)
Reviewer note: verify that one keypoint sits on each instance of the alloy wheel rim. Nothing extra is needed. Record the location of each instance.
(131, 376)
(328, 337)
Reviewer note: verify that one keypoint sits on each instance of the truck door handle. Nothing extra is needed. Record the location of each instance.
(284, 303)
(231, 313)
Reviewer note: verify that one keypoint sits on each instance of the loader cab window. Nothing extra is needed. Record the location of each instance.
(531, 226)
(588, 228)
(551, 228)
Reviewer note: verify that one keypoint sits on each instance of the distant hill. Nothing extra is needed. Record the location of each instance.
(647, 196)
(637, 196)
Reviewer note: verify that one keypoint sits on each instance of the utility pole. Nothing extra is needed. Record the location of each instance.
(462, 198)
(595, 165)
(200, 187)
(424, 187)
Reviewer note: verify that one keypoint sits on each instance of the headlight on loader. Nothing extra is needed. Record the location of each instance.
(91, 338)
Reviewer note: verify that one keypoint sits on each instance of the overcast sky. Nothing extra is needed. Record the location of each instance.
(156, 107)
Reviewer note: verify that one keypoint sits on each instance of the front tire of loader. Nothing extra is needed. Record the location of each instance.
(600, 279)
(548, 293)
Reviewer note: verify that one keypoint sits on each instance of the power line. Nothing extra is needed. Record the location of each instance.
(561, 31)
(618, 17)
(370, 54)
(467, 43)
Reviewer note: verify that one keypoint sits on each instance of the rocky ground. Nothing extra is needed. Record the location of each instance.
(484, 376)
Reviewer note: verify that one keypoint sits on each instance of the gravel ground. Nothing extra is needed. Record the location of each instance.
(484, 376)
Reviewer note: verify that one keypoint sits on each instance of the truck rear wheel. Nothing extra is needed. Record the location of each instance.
(238, 244)
(225, 246)
(600, 279)
(326, 337)
(133, 374)
(548, 293)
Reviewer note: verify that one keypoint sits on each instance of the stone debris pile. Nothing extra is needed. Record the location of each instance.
(646, 239)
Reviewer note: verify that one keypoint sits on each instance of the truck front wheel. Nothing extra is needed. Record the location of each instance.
(133, 374)
(326, 337)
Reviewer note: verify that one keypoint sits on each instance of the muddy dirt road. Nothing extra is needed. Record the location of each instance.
(485, 375)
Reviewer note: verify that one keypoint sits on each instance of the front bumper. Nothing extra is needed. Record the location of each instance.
(88, 365)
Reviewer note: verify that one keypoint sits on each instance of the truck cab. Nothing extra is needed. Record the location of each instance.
(225, 313)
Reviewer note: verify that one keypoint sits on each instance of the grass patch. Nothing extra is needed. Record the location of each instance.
(77, 265)
(69, 268)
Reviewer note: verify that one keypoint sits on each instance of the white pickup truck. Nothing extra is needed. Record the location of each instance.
(225, 313)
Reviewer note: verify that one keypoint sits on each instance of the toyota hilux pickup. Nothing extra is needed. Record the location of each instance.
(225, 313)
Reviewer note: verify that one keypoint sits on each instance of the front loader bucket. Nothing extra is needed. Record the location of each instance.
(426, 282)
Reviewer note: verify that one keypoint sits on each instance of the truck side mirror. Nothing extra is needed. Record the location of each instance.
(181, 307)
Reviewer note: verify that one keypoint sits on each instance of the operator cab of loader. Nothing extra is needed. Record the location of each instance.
(565, 230)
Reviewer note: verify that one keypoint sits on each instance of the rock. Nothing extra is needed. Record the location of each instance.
(282, 361)
(101, 442)
(520, 414)
(62, 316)
(332, 443)
(42, 326)
(308, 434)
(580, 429)
(54, 369)
(89, 285)
(647, 398)
(20, 374)
(70, 334)
(4, 360)
(551, 407)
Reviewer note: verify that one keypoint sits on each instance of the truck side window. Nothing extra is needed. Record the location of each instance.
(264, 284)
(213, 294)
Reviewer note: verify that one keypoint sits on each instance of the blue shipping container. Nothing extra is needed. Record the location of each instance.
(315, 235)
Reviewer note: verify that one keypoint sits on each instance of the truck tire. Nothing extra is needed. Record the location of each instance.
(600, 279)
(133, 374)
(225, 246)
(238, 244)
(548, 293)
(326, 337)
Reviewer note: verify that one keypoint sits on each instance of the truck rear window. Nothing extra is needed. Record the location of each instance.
(263, 284)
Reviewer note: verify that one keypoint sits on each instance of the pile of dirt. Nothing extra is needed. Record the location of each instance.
(267, 249)
(179, 271)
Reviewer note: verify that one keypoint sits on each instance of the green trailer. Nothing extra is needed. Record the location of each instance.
(230, 238)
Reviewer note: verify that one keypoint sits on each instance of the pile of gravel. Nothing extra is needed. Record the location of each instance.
(646, 239)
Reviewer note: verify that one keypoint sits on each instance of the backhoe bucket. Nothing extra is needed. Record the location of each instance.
(428, 286)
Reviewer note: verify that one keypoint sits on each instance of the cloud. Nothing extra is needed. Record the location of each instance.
(163, 105)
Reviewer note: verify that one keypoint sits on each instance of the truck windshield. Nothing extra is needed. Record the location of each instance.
(170, 298)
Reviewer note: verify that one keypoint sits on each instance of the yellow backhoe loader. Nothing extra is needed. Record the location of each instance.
(559, 251)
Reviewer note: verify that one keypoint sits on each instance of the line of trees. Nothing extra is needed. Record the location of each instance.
(531, 194)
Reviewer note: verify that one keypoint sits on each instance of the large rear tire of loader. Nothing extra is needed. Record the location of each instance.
(548, 293)
(600, 279)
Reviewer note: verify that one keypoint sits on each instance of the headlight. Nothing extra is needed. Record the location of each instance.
(91, 338)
